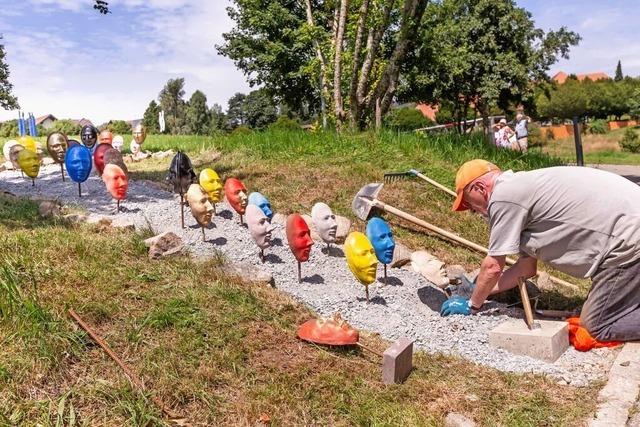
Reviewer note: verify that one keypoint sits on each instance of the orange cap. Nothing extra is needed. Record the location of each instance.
(468, 172)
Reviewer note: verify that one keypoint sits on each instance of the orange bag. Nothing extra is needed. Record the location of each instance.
(581, 340)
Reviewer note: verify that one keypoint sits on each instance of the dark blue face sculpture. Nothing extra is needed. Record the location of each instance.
(78, 162)
(260, 201)
(380, 236)
(181, 173)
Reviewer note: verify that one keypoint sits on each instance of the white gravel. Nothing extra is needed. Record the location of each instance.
(408, 306)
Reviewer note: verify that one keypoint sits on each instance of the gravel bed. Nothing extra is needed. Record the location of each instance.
(407, 306)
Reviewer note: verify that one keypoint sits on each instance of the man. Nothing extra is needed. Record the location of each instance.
(522, 133)
(582, 221)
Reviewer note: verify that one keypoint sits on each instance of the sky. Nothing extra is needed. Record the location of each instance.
(68, 60)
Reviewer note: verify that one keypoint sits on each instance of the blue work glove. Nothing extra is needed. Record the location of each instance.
(455, 305)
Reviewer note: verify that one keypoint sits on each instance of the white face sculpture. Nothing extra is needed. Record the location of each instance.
(325, 222)
(430, 267)
(134, 147)
(118, 142)
(259, 226)
(7, 148)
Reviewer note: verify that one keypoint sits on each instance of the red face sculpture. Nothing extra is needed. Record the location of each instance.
(98, 156)
(299, 237)
(236, 194)
(116, 181)
(333, 331)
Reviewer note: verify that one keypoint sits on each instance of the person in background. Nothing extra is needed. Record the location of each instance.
(522, 133)
(505, 136)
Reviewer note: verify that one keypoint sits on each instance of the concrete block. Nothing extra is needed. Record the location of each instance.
(547, 343)
(397, 361)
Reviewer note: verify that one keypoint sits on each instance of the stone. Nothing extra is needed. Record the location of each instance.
(165, 244)
(249, 273)
(617, 398)
(8, 166)
(279, 219)
(99, 220)
(48, 209)
(455, 271)
(397, 361)
(344, 227)
(546, 343)
(161, 154)
(123, 224)
(454, 419)
(3, 167)
(314, 233)
(401, 256)
(75, 218)
(544, 281)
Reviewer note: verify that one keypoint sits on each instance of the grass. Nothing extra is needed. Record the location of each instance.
(217, 351)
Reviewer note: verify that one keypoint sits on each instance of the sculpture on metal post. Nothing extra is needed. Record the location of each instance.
(28, 143)
(78, 164)
(139, 135)
(105, 137)
(57, 144)
(200, 206)
(299, 239)
(118, 142)
(211, 183)
(381, 237)
(14, 151)
(325, 223)
(89, 136)
(6, 148)
(114, 157)
(181, 176)
(116, 181)
(260, 228)
(236, 194)
(260, 201)
(361, 259)
(98, 156)
(29, 163)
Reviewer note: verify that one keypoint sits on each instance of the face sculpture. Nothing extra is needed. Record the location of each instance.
(181, 173)
(325, 222)
(139, 133)
(106, 137)
(134, 147)
(78, 163)
(89, 136)
(201, 207)
(260, 201)
(328, 331)
(73, 142)
(361, 257)
(236, 194)
(57, 145)
(98, 156)
(380, 236)
(6, 148)
(116, 181)
(259, 226)
(430, 267)
(299, 237)
(118, 142)
(29, 163)
(114, 157)
(13, 155)
(212, 184)
(28, 142)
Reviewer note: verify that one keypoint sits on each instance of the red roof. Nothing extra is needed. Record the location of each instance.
(561, 76)
(41, 119)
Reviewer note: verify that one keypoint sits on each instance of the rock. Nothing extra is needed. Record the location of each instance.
(163, 245)
(47, 161)
(160, 154)
(75, 218)
(401, 256)
(7, 166)
(473, 275)
(48, 209)
(455, 271)
(314, 233)
(246, 272)
(458, 420)
(3, 167)
(279, 219)
(344, 226)
(123, 224)
(544, 281)
(99, 220)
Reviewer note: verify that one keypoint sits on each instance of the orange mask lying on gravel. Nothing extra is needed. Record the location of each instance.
(580, 338)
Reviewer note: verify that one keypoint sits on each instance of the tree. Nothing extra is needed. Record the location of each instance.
(173, 105)
(7, 100)
(619, 77)
(235, 111)
(68, 127)
(9, 128)
(150, 118)
(198, 114)
(259, 109)
(119, 127)
(569, 100)
(217, 119)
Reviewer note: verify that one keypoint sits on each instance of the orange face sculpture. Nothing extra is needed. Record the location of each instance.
(332, 331)
(236, 194)
(116, 181)
(299, 237)
(106, 137)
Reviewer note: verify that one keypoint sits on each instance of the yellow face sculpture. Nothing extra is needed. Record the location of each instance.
(361, 257)
(29, 163)
(28, 142)
(212, 184)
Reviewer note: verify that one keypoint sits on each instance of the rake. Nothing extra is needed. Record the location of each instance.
(412, 173)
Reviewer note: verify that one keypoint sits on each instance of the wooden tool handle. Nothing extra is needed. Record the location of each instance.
(528, 313)
(436, 184)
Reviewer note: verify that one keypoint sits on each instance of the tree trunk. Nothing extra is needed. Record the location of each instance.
(357, 53)
(337, 64)
(324, 87)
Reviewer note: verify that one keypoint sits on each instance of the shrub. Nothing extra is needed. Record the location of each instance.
(9, 129)
(119, 127)
(65, 126)
(406, 119)
(630, 141)
(286, 124)
(241, 130)
(598, 127)
(535, 137)
(549, 135)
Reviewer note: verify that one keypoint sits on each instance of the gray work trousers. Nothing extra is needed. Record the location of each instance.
(612, 309)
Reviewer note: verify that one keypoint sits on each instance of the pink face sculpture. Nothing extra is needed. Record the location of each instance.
(106, 137)
(98, 156)
(236, 194)
(116, 181)
(299, 237)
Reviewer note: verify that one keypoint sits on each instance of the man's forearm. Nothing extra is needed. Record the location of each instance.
(490, 273)
(525, 267)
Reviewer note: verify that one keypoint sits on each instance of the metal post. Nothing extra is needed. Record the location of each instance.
(578, 140)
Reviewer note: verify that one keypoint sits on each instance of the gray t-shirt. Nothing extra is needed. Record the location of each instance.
(521, 129)
(576, 219)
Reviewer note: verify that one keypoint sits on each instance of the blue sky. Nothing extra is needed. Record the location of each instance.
(68, 60)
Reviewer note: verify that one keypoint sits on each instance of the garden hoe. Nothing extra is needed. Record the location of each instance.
(365, 204)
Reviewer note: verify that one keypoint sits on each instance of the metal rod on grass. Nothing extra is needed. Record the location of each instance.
(62, 171)
(299, 272)
(79, 190)
(182, 209)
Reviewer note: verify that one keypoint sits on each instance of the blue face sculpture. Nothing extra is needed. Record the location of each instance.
(380, 236)
(78, 162)
(260, 201)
